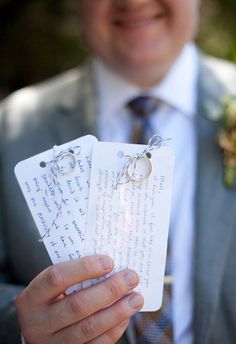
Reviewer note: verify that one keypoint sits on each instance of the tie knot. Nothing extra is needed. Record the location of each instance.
(143, 106)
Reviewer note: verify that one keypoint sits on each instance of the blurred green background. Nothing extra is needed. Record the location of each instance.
(39, 38)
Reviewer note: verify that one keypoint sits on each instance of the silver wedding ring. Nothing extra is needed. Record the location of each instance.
(132, 167)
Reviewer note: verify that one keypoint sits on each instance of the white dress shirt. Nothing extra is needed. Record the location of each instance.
(175, 119)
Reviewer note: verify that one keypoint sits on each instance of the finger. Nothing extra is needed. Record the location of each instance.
(59, 297)
(101, 322)
(57, 278)
(80, 305)
(111, 336)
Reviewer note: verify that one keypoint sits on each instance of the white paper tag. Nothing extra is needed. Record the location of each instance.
(56, 191)
(130, 222)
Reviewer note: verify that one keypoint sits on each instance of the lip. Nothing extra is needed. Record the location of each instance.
(136, 22)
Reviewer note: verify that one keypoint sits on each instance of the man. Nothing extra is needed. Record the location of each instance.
(139, 47)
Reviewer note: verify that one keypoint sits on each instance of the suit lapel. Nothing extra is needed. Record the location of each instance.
(76, 112)
(214, 209)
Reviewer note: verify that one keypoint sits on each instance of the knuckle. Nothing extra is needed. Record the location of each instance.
(54, 276)
(20, 300)
(78, 306)
(85, 266)
(88, 328)
(113, 288)
(120, 312)
(113, 335)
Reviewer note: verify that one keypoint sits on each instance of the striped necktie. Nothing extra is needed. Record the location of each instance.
(151, 327)
(141, 109)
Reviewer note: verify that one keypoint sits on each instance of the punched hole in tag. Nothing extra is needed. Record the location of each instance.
(43, 164)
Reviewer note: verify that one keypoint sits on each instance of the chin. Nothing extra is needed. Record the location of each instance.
(154, 55)
(142, 75)
(144, 67)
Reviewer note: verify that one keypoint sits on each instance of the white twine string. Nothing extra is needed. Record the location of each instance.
(55, 172)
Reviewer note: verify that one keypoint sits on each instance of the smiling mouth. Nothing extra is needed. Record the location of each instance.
(138, 22)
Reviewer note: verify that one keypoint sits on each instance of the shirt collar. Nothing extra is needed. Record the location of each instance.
(114, 91)
(179, 87)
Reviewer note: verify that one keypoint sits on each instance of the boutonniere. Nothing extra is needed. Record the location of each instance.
(227, 139)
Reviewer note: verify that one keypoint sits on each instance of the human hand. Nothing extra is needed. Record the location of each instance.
(98, 314)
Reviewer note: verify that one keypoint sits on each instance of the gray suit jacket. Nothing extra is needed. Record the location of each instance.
(35, 118)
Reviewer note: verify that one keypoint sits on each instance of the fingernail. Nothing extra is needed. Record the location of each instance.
(106, 263)
(136, 301)
(131, 278)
